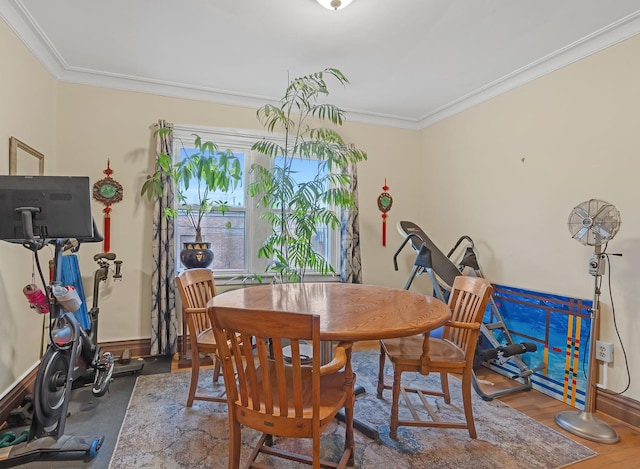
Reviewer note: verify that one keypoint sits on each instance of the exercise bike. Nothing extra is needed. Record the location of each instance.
(70, 348)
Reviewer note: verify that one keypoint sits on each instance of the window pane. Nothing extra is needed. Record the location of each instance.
(305, 170)
(320, 242)
(226, 233)
(233, 198)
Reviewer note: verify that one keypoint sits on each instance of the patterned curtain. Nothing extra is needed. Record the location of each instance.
(164, 321)
(350, 262)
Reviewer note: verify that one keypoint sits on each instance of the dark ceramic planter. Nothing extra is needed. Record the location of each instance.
(196, 255)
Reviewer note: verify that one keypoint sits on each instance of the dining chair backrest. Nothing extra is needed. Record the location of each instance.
(196, 288)
(269, 382)
(275, 387)
(468, 301)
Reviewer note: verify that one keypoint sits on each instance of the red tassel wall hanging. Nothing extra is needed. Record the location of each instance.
(107, 191)
(384, 205)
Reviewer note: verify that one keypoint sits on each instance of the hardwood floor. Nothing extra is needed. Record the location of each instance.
(543, 408)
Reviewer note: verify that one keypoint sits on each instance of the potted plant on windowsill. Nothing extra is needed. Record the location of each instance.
(205, 171)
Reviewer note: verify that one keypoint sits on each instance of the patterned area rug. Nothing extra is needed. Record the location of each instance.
(160, 432)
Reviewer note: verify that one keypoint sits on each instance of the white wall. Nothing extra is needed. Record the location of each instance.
(509, 171)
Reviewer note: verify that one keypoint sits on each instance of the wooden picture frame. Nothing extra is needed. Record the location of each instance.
(21, 159)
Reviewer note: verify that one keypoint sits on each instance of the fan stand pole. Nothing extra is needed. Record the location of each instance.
(584, 423)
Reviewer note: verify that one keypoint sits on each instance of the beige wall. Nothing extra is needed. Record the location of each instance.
(575, 130)
(27, 112)
(509, 171)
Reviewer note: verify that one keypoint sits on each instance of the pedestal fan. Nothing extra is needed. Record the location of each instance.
(593, 223)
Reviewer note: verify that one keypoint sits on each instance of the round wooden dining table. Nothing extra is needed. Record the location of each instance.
(349, 312)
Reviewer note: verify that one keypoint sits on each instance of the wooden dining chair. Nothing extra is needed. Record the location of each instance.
(276, 393)
(196, 287)
(453, 353)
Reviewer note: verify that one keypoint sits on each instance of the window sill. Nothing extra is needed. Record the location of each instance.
(240, 279)
(225, 279)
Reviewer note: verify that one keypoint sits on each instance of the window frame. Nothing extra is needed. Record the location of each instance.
(241, 140)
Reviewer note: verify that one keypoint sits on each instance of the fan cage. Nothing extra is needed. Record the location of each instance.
(594, 222)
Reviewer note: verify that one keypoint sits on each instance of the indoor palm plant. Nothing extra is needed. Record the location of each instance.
(296, 210)
(205, 170)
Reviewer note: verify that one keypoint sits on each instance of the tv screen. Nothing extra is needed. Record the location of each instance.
(58, 206)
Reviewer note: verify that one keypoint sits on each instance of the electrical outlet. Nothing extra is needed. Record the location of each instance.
(604, 351)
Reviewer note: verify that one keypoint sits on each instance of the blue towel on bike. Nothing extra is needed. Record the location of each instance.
(70, 275)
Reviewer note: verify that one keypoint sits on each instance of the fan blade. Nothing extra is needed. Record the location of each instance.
(581, 212)
(581, 232)
(602, 232)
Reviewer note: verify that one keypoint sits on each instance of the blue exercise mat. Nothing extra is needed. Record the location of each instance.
(70, 275)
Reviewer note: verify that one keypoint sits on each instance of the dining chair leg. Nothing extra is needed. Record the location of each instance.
(444, 383)
(393, 427)
(216, 368)
(235, 443)
(195, 373)
(349, 437)
(315, 455)
(466, 402)
(381, 372)
(349, 386)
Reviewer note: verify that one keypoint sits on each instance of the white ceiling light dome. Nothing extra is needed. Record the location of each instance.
(334, 4)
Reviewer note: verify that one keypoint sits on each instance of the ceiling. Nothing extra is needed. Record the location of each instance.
(410, 63)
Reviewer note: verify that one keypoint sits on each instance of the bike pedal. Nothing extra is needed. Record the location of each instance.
(104, 371)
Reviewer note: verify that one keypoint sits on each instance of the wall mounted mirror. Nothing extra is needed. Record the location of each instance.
(24, 160)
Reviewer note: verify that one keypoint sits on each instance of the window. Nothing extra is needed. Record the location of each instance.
(237, 235)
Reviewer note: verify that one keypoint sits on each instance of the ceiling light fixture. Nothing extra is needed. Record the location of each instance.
(334, 4)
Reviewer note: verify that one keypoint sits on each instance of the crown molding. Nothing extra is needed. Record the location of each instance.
(612, 34)
(20, 22)
(178, 90)
(24, 27)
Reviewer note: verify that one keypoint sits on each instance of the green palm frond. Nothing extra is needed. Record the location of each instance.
(297, 210)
